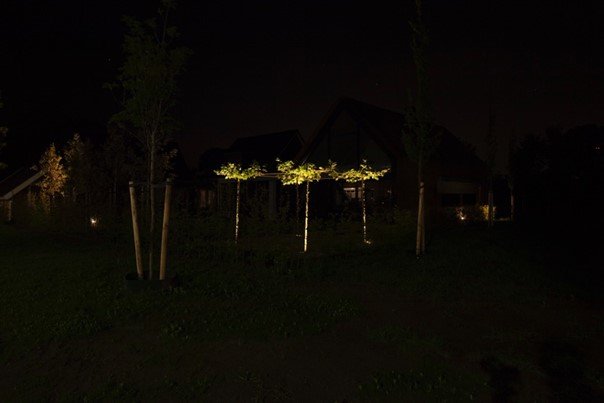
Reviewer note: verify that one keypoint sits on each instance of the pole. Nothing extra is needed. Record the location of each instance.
(363, 202)
(237, 211)
(164, 233)
(137, 241)
(420, 221)
(306, 217)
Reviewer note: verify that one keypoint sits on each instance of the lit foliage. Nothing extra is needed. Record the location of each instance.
(235, 171)
(55, 175)
(364, 173)
(296, 175)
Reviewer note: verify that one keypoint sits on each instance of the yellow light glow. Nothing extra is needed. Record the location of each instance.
(93, 221)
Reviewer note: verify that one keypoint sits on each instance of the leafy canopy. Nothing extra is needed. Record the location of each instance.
(234, 170)
(55, 175)
(363, 173)
(292, 174)
(148, 78)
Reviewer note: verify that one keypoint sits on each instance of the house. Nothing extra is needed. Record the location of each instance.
(263, 149)
(13, 186)
(353, 131)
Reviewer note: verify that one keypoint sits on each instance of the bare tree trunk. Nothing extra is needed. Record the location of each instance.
(151, 206)
(306, 217)
(420, 221)
(490, 211)
(237, 211)
(363, 207)
(512, 204)
(423, 226)
(297, 209)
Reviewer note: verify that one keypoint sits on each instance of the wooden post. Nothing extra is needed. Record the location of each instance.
(420, 222)
(164, 233)
(137, 240)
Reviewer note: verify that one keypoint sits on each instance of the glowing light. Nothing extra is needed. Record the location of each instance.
(460, 214)
(93, 221)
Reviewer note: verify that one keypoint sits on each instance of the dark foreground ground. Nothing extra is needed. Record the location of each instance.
(485, 315)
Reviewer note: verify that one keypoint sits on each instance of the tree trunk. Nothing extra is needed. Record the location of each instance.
(363, 207)
(420, 221)
(490, 215)
(237, 210)
(423, 226)
(306, 217)
(297, 209)
(512, 205)
(151, 206)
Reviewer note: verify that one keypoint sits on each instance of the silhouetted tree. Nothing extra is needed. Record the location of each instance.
(148, 83)
(420, 138)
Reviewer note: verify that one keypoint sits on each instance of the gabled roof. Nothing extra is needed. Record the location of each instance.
(17, 181)
(383, 125)
(386, 129)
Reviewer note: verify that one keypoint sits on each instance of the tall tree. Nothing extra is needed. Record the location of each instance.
(419, 137)
(55, 176)
(148, 84)
(490, 139)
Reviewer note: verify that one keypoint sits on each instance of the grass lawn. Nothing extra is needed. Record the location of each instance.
(484, 315)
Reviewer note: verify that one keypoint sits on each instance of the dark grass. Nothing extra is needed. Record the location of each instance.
(484, 314)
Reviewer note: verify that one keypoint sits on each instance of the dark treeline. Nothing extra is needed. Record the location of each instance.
(559, 177)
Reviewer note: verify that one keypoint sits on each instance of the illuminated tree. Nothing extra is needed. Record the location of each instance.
(147, 83)
(55, 176)
(420, 138)
(236, 172)
(363, 174)
(297, 175)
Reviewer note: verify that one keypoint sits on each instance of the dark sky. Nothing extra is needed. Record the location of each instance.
(262, 66)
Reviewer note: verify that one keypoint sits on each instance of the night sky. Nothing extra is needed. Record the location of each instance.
(274, 65)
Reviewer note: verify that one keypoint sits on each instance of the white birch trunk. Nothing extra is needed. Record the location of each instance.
(306, 217)
(237, 211)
